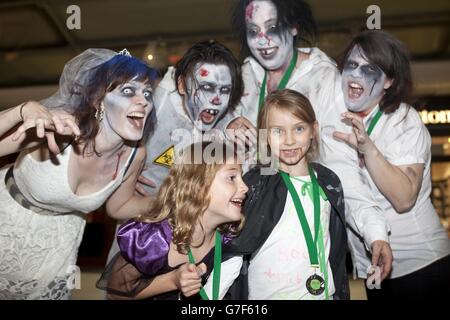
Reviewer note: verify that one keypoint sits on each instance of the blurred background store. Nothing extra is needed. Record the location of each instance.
(35, 43)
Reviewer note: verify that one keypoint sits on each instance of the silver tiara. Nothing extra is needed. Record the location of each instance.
(125, 52)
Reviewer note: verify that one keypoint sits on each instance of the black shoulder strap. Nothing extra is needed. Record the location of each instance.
(133, 154)
(65, 147)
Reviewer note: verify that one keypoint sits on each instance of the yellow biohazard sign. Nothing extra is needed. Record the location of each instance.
(166, 158)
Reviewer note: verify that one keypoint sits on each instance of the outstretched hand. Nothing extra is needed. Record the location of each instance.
(358, 139)
(46, 122)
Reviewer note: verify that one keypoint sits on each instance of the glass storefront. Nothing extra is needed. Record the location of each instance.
(440, 175)
(435, 113)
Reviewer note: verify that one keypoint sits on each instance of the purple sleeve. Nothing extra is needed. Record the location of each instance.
(145, 245)
(226, 238)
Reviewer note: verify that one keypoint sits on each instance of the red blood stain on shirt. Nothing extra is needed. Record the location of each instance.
(203, 72)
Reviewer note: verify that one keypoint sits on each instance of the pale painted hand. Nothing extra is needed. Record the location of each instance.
(382, 257)
(242, 132)
(46, 122)
(358, 139)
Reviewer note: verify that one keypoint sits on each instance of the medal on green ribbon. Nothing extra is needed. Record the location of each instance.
(315, 284)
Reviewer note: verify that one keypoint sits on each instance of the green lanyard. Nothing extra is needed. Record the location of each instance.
(283, 82)
(323, 265)
(307, 187)
(217, 264)
(311, 243)
(374, 121)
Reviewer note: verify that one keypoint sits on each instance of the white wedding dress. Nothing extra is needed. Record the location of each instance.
(38, 251)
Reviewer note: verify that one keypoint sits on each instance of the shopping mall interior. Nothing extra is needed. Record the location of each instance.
(35, 43)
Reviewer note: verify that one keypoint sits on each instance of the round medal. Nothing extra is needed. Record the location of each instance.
(315, 284)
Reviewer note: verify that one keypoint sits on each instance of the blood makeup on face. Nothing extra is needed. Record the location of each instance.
(208, 93)
(203, 72)
(268, 42)
(362, 82)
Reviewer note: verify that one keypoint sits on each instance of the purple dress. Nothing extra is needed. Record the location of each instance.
(144, 249)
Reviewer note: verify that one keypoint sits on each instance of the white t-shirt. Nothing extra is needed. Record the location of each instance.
(417, 236)
(280, 268)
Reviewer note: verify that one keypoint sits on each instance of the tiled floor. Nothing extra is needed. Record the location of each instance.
(88, 290)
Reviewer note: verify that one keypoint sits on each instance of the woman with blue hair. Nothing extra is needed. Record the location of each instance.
(44, 196)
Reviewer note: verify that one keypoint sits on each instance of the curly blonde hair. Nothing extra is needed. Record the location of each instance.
(184, 195)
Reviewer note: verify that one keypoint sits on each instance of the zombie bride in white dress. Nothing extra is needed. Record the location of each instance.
(44, 196)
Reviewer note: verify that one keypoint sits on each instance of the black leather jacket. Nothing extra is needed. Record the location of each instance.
(263, 208)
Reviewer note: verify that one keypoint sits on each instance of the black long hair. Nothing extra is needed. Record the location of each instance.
(392, 57)
(291, 14)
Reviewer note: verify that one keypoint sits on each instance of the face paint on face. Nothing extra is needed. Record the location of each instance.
(208, 93)
(362, 82)
(127, 108)
(271, 45)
